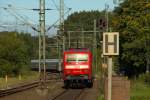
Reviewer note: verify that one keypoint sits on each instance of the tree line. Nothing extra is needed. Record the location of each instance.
(16, 52)
(18, 49)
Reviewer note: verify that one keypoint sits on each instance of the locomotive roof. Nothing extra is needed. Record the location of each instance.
(78, 50)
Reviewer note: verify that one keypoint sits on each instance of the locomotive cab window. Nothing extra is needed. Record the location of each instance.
(77, 57)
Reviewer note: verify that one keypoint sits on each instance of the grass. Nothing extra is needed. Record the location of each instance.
(140, 91)
(101, 97)
(16, 80)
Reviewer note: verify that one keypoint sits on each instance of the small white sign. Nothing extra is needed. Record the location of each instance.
(110, 43)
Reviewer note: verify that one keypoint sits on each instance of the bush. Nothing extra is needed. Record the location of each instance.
(145, 78)
(14, 55)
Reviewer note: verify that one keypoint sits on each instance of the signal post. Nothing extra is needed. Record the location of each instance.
(110, 48)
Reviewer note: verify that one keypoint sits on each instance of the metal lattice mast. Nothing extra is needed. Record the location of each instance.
(61, 15)
(42, 40)
(61, 28)
(95, 46)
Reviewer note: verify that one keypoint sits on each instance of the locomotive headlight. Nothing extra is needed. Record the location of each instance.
(69, 67)
(84, 66)
(76, 66)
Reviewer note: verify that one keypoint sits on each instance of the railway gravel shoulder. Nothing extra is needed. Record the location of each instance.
(70, 94)
(33, 94)
(23, 86)
(78, 93)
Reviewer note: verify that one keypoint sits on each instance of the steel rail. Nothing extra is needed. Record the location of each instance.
(18, 89)
(69, 93)
(24, 87)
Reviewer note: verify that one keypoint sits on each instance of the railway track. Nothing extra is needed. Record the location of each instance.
(18, 89)
(78, 93)
(70, 94)
(27, 86)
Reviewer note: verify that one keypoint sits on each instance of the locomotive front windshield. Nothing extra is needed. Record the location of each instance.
(77, 57)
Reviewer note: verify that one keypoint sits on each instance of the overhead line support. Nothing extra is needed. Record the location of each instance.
(42, 42)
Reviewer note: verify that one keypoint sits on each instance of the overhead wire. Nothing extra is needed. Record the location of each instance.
(68, 10)
(27, 20)
(55, 5)
(58, 20)
(19, 17)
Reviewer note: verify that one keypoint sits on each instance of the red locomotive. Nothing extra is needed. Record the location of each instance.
(77, 67)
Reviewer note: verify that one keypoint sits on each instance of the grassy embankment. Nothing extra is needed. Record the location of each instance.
(139, 91)
(17, 80)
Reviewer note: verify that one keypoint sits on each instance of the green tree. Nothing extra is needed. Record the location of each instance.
(31, 43)
(132, 20)
(83, 19)
(13, 54)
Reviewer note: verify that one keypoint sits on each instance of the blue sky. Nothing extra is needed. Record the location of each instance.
(53, 15)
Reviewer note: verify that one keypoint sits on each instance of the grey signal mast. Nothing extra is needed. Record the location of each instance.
(42, 37)
(61, 9)
(42, 43)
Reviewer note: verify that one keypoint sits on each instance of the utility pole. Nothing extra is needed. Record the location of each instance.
(61, 28)
(69, 39)
(82, 38)
(64, 42)
(59, 49)
(110, 49)
(95, 45)
(109, 78)
(109, 59)
(107, 16)
(42, 43)
(61, 15)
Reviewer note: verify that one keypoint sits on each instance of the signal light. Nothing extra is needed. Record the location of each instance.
(101, 24)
